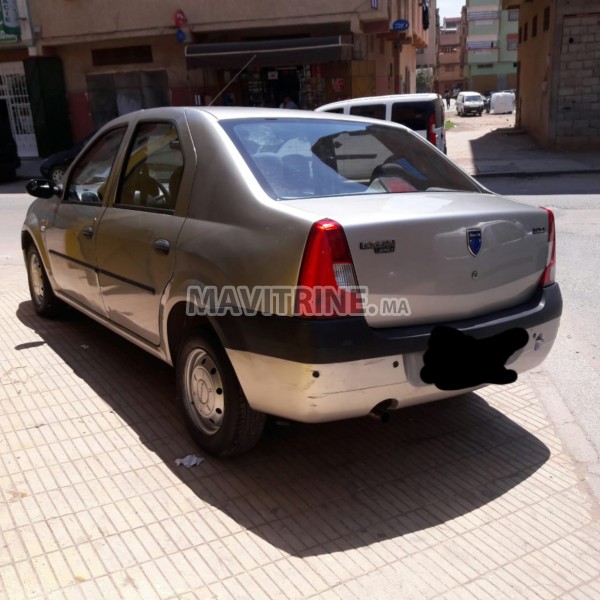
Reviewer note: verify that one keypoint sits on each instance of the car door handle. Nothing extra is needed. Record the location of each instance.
(162, 245)
(88, 231)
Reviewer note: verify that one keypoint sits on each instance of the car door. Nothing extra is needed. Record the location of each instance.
(71, 232)
(138, 233)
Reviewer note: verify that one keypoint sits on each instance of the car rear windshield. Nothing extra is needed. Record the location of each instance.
(473, 98)
(307, 158)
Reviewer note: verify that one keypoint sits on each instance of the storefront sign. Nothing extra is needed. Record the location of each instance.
(400, 25)
(10, 29)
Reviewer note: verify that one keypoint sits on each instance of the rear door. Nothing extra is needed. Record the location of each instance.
(425, 117)
(137, 235)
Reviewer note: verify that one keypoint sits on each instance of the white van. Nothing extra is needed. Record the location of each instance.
(469, 103)
(423, 113)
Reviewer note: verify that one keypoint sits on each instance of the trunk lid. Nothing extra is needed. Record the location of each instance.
(412, 252)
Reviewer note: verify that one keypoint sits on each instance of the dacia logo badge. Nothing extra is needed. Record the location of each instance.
(474, 241)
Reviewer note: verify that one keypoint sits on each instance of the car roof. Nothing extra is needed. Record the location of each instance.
(222, 113)
(424, 97)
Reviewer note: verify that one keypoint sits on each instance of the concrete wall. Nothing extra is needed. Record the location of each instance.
(576, 86)
(559, 79)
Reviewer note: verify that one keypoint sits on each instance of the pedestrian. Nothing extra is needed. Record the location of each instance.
(288, 103)
(447, 96)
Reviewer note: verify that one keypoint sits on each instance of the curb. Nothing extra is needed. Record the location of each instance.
(590, 171)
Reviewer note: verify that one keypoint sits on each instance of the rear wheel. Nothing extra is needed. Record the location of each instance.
(214, 406)
(45, 303)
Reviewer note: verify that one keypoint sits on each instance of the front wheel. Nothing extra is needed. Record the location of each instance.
(56, 174)
(45, 303)
(215, 409)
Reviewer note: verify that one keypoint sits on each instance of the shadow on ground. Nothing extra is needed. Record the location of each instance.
(311, 489)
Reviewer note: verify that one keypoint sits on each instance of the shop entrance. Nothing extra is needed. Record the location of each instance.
(13, 89)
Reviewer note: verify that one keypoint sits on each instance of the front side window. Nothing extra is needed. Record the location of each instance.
(373, 111)
(87, 183)
(318, 158)
(154, 168)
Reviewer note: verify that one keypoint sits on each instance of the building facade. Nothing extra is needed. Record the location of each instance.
(109, 57)
(491, 46)
(559, 72)
(426, 57)
(450, 56)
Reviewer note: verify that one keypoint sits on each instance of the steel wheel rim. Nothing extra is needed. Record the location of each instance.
(57, 176)
(37, 278)
(204, 398)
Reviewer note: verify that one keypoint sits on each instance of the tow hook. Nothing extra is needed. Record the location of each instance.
(538, 342)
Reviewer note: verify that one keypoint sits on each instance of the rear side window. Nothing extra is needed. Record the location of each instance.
(373, 111)
(414, 115)
(154, 168)
(338, 111)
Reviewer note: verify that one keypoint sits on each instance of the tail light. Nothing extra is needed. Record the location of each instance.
(327, 275)
(431, 136)
(549, 273)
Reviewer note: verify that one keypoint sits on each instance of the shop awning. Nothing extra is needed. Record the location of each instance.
(270, 53)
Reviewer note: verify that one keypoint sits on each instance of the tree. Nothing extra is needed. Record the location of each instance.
(425, 79)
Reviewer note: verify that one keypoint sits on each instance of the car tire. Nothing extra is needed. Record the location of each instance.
(45, 303)
(56, 174)
(214, 407)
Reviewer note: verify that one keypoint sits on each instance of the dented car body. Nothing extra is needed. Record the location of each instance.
(291, 263)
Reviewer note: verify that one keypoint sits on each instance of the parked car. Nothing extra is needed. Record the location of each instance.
(9, 157)
(423, 113)
(469, 103)
(55, 166)
(306, 265)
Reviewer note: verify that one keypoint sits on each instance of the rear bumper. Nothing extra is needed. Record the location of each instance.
(311, 370)
(315, 393)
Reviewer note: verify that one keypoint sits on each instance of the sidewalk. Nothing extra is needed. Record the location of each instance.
(501, 150)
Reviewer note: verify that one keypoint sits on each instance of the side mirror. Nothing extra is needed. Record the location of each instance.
(42, 188)
(90, 197)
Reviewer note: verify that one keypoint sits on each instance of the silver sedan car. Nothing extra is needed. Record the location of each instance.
(305, 265)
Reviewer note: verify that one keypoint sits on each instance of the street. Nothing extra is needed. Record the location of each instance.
(572, 371)
(474, 497)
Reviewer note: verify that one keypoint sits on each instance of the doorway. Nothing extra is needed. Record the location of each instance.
(13, 89)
